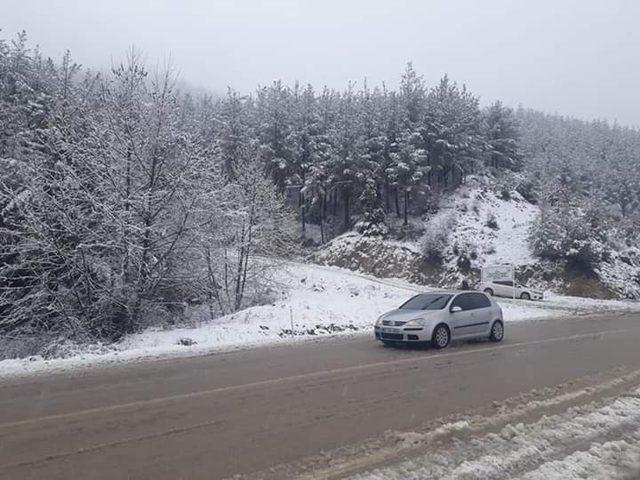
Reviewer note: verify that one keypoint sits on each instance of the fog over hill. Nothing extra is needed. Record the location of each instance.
(570, 57)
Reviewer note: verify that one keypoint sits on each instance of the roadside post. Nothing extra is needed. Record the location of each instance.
(291, 320)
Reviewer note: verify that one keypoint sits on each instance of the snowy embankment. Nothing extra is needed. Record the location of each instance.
(316, 301)
(494, 229)
(600, 441)
(473, 226)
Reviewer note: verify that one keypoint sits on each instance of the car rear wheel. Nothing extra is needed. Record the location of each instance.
(488, 291)
(441, 337)
(525, 296)
(497, 331)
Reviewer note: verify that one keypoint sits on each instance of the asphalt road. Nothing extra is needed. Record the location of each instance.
(237, 413)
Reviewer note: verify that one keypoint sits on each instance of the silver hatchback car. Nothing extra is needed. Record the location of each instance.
(439, 317)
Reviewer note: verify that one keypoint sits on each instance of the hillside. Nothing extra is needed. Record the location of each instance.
(477, 225)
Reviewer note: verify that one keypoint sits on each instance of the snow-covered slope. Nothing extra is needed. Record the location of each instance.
(473, 227)
(477, 225)
(496, 229)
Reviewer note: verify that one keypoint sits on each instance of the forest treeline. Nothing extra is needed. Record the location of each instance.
(124, 201)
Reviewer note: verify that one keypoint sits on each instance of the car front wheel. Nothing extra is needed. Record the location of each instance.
(497, 331)
(441, 337)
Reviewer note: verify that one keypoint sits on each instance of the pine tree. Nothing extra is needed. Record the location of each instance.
(273, 131)
(373, 212)
(501, 132)
(233, 131)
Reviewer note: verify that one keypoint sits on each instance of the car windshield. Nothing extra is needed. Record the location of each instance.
(427, 301)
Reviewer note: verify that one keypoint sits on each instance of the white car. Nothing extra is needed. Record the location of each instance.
(506, 288)
(439, 317)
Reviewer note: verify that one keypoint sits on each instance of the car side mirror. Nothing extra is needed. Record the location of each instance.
(456, 309)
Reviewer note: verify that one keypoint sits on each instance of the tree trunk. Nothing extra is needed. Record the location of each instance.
(397, 201)
(406, 206)
(325, 203)
(214, 288)
(346, 208)
(127, 208)
(303, 213)
(386, 196)
(241, 255)
(322, 216)
(623, 206)
(334, 208)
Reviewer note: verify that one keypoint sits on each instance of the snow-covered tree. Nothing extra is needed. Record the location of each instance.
(501, 132)
(372, 222)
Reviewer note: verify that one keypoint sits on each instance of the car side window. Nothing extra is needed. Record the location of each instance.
(471, 301)
(481, 301)
(506, 283)
(462, 301)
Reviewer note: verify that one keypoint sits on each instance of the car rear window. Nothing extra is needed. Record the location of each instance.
(427, 301)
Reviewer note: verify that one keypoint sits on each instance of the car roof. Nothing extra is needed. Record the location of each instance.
(451, 292)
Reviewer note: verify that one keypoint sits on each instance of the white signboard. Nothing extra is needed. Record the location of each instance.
(497, 273)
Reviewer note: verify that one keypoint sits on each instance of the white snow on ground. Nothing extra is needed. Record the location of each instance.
(621, 272)
(474, 224)
(502, 242)
(593, 441)
(465, 215)
(321, 301)
(497, 230)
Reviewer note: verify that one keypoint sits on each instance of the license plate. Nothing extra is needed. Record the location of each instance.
(390, 330)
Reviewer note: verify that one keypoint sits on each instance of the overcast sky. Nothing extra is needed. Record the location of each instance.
(575, 57)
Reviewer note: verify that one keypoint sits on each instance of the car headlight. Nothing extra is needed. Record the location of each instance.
(416, 322)
(379, 320)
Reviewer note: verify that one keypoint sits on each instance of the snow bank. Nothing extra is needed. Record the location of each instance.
(576, 444)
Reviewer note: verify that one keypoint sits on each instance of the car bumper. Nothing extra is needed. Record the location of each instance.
(400, 334)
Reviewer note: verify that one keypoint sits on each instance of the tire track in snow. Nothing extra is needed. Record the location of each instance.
(546, 449)
(464, 432)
